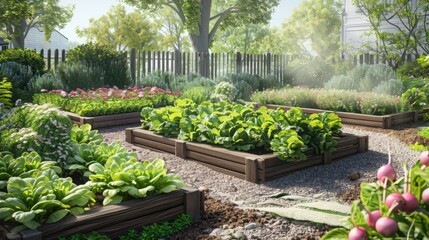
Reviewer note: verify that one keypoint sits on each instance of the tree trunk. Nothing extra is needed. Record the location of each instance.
(18, 41)
(201, 41)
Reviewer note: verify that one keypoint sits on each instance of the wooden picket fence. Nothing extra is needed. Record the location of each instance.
(211, 65)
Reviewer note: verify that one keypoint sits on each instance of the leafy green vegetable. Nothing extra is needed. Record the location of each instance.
(238, 127)
(46, 198)
(84, 134)
(123, 176)
(27, 165)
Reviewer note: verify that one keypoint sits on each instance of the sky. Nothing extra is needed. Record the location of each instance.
(84, 10)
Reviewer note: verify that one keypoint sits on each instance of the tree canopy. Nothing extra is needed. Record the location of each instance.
(17, 17)
(121, 30)
(399, 27)
(313, 29)
(202, 18)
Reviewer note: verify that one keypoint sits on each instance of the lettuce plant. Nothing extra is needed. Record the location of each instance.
(123, 177)
(47, 198)
(238, 127)
(27, 165)
(84, 134)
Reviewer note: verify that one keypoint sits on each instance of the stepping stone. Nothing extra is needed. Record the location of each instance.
(296, 198)
(303, 214)
(334, 207)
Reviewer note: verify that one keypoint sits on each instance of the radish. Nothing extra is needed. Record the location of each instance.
(425, 196)
(424, 158)
(386, 171)
(358, 233)
(386, 226)
(395, 198)
(372, 218)
(411, 202)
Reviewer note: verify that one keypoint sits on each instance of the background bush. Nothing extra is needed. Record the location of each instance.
(5, 93)
(24, 57)
(78, 75)
(19, 75)
(311, 72)
(412, 69)
(47, 81)
(112, 63)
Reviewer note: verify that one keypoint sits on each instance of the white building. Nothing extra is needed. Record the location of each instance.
(354, 25)
(36, 40)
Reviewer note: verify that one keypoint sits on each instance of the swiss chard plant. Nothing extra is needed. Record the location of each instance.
(123, 177)
(391, 208)
(238, 127)
(30, 202)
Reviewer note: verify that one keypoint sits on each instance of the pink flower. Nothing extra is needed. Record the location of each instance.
(64, 94)
(141, 94)
(43, 90)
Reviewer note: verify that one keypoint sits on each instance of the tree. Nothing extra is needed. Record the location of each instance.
(121, 30)
(19, 16)
(399, 27)
(245, 39)
(313, 29)
(173, 31)
(202, 18)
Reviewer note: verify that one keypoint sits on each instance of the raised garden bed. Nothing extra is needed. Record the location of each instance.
(251, 167)
(117, 219)
(107, 120)
(367, 120)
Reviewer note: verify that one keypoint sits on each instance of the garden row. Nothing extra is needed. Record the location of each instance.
(54, 178)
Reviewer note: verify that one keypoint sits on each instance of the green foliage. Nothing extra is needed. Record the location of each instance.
(413, 225)
(39, 128)
(25, 57)
(79, 75)
(197, 94)
(225, 91)
(390, 87)
(412, 69)
(154, 231)
(112, 65)
(311, 73)
(120, 29)
(19, 75)
(27, 165)
(107, 101)
(422, 141)
(159, 79)
(242, 128)
(365, 78)
(5, 93)
(123, 176)
(46, 82)
(46, 198)
(84, 134)
(331, 99)
(414, 99)
(271, 82)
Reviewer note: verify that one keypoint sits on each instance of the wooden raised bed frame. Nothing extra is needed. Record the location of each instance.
(367, 120)
(251, 167)
(106, 120)
(115, 220)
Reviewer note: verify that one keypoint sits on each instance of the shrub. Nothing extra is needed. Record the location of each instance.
(412, 69)
(198, 94)
(5, 93)
(25, 57)
(224, 91)
(184, 82)
(47, 81)
(412, 82)
(19, 75)
(374, 75)
(312, 73)
(157, 79)
(269, 82)
(376, 104)
(78, 75)
(341, 82)
(414, 99)
(112, 63)
(251, 79)
(390, 87)
(295, 97)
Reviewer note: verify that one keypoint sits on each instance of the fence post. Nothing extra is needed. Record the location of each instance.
(56, 58)
(49, 59)
(177, 63)
(238, 63)
(63, 55)
(133, 64)
(268, 63)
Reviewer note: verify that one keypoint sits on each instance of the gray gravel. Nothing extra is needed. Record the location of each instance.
(323, 181)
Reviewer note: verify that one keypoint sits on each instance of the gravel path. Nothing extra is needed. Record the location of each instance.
(322, 182)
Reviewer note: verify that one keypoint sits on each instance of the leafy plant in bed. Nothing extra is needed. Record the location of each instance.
(238, 127)
(36, 187)
(107, 101)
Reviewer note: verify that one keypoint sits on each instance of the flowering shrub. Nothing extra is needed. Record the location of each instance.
(105, 101)
(332, 99)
